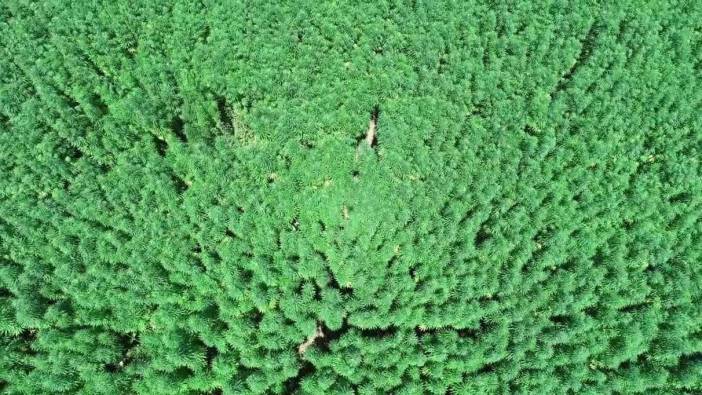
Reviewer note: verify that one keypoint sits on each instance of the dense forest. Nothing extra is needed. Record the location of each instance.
(387, 197)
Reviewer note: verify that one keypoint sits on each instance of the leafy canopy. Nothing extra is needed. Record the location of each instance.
(190, 200)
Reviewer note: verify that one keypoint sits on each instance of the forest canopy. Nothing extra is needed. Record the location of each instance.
(387, 197)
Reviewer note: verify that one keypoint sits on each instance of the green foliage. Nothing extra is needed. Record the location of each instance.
(186, 197)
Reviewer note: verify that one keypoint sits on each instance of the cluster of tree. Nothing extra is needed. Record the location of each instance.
(192, 199)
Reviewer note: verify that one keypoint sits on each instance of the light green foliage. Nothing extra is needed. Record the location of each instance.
(186, 197)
